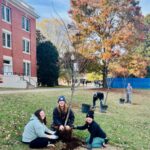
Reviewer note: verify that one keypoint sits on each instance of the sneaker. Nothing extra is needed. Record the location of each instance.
(51, 146)
(106, 141)
(104, 145)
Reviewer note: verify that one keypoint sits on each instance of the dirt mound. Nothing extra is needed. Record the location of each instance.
(74, 143)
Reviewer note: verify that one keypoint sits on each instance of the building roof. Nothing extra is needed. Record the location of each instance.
(23, 6)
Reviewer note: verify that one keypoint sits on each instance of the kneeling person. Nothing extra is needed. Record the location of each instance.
(60, 115)
(97, 137)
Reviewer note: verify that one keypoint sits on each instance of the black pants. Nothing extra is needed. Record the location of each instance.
(94, 103)
(39, 143)
(102, 134)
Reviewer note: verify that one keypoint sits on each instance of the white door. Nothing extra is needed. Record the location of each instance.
(7, 67)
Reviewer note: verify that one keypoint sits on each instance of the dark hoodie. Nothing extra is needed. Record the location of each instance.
(94, 129)
(59, 117)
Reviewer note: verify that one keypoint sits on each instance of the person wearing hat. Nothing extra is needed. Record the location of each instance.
(96, 96)
(60, 115)
(97, 138)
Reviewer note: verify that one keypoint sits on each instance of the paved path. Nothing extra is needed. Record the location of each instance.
(14, 91)
(31, 90)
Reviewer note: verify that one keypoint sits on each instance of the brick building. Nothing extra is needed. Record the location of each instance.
(17, 44)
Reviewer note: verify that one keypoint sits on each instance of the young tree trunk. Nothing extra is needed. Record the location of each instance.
(105, 73)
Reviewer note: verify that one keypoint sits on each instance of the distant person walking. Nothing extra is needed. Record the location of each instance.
(129, 93)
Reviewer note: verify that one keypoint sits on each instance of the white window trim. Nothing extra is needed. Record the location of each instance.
(4, 30)
(26, 39)
(9, 58)
(7, 32)
(24, 29)
(5, 6)
(27, 61)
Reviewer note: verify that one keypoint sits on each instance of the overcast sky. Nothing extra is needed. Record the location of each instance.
(48, 8)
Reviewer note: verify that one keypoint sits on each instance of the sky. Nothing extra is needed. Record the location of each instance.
(49, 8)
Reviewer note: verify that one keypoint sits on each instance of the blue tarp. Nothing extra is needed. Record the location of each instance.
(142, 83)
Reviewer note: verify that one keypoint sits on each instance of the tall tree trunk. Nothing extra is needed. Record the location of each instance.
(105, 73)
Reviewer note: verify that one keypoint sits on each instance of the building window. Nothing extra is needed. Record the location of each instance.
(26, 68)
(6, 37)
(25, 23)
(6, 12)
(26, 45)
(7, 66)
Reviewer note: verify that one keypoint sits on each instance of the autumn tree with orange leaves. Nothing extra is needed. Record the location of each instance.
(106, 29)
(129, 65)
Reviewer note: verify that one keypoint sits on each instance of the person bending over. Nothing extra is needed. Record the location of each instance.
(96, 96)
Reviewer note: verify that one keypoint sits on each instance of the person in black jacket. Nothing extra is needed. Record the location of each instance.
(60, 115)
(97, 137)
(96, 96)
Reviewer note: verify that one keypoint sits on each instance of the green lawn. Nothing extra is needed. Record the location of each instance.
(127, 126)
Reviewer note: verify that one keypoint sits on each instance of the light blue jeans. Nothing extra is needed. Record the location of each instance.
(97, 142)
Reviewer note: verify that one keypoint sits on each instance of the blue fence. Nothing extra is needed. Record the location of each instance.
(142, 83)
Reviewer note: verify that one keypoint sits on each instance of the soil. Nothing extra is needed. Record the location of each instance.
(77, 144)
(73, 144)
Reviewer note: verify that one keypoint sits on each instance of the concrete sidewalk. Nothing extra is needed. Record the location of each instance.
(14, 91)
(31, 90)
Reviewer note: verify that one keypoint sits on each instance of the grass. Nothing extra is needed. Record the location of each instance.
(127, 126)
(8, 89)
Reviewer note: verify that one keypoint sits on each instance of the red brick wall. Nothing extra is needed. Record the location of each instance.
(17, 35)
(1, 58)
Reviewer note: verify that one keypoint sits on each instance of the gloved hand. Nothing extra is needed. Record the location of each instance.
(74, 127)
(52, 132)
(54, 137)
